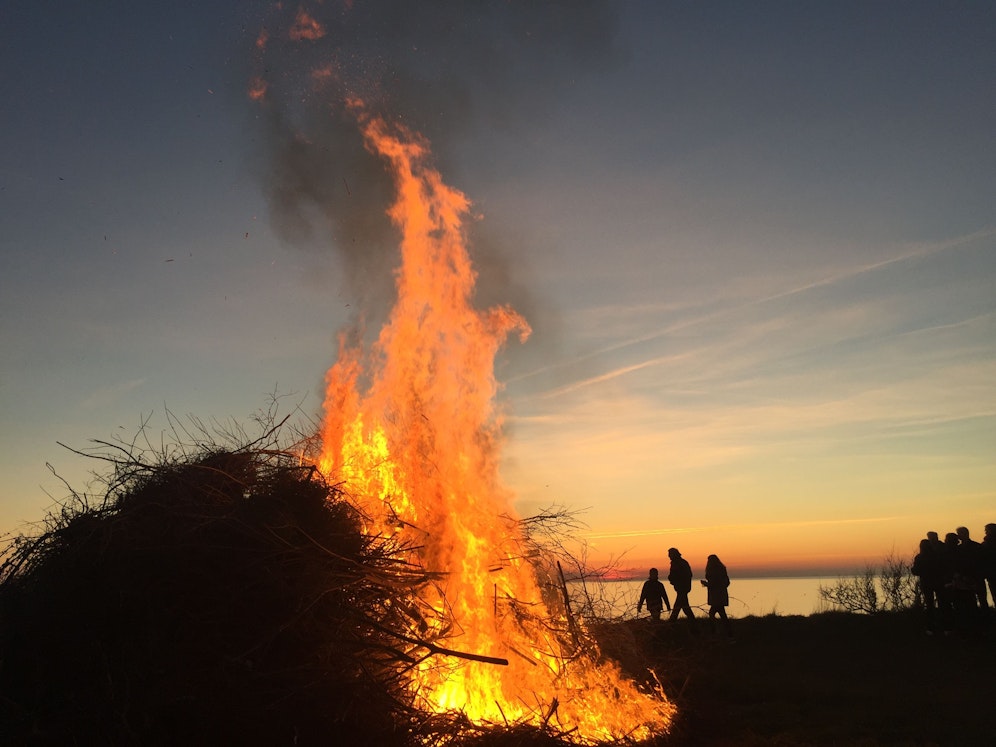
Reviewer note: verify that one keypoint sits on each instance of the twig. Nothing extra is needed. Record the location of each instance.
(572, 626)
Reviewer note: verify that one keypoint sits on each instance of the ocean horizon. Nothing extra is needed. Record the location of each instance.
(749, 596)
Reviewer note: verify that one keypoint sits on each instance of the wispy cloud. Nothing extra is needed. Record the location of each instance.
(640, 432)
(740, 527)
(916, 251)
(847, 318)
(614, 374)
(108, 395)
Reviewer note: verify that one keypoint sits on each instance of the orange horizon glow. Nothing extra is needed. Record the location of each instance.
(636, 568)
(774, 549)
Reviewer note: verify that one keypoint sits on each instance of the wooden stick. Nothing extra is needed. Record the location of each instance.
(567, 605)
(464, 655)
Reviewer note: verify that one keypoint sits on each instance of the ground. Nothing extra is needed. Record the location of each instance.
(828, 679)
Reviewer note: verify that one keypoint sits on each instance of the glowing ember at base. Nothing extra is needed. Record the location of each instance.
(412, 433)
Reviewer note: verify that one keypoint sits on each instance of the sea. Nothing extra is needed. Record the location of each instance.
(748, 596)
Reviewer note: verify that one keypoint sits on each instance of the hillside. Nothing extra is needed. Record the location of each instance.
(828, 679)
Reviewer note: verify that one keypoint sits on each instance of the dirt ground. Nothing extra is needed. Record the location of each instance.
(829, 679)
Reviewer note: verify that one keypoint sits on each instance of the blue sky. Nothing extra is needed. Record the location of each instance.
(757, 245)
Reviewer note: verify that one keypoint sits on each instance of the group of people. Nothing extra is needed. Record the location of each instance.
(953, 574)
(717, 581)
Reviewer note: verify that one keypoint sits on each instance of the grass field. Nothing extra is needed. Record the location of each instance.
(827, 679)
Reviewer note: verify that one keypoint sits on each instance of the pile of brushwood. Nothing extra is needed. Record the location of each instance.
(213, 596)
(226, 598)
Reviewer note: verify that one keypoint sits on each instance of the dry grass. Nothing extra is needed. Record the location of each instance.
(828, 679)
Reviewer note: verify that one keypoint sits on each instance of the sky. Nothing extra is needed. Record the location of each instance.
(756, 244)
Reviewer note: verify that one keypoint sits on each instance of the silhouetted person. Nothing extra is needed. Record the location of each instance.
(945, 592)
(680, 577)
(989, 559)
(959, 583)
(935, 541)
(970, 565)
(928, 567)
(717, 581)
(655, 595)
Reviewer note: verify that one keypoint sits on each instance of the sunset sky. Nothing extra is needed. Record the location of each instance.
(756, 244)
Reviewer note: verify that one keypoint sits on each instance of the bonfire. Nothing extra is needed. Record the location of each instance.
(369, 583)
(416, 448)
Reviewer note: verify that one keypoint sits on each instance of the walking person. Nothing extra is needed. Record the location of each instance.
(717, 581)
(655, 595)
(680, 577)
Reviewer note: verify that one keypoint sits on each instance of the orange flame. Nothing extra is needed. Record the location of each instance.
(418, 450)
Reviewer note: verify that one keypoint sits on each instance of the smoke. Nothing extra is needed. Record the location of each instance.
(440, 67)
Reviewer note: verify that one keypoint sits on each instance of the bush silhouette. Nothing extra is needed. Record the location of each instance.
(225, 598)
(889, 588)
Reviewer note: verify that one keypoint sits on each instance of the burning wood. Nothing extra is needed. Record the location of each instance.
(417, 611)
(413, 433)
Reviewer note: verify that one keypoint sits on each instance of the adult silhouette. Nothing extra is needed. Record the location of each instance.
(928, 567)
(959, 583)
(680, 577)
(717, 581)
(970, 564)
(989, 559)
(935, 541)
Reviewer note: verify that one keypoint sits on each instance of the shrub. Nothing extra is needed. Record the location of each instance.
(889, 588)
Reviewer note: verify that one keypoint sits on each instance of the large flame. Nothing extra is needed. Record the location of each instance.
(412, 432)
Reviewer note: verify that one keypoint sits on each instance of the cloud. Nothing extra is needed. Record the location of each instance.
(914, 347)
(740, 527)
(647, 433)
(110, 395)
(609, 375)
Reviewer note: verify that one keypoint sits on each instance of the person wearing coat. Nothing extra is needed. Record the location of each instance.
(680, 577)
(717, 581)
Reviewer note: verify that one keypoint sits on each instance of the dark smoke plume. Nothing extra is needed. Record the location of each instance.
(439, 68)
